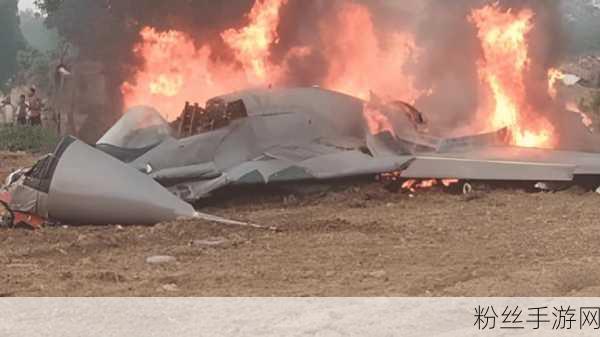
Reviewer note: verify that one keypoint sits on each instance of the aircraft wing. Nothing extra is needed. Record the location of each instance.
(290, 164)
(504, 163)
(442, 167)
(296, 163)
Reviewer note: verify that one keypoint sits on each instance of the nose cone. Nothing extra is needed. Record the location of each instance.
(91, 187)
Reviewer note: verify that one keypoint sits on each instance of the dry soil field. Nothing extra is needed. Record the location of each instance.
(355, 239)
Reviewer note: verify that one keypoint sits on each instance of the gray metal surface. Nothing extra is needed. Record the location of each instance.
(200, 171)
(310, 133)
(333, 165)
(90, 187)
(585, 163)
(474, 169)
(140, 127)
(289, 135)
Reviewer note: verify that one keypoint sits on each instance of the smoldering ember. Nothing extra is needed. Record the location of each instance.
(166, 110)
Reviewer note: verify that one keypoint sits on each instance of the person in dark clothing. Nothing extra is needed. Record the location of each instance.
(35, 108)
(22, 111)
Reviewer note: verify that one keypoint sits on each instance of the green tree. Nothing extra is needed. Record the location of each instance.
(36, 33)
(11, 39)
(33, 67)
(48, 6)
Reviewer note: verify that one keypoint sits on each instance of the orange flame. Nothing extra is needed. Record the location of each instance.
(554, 75)
(252, 43)
(449, 182)
(358, 54)
(413, 185)
(357, 50)
(410, 185)
(503, 36)
(176, 69)
(377, 121)
(428, 183)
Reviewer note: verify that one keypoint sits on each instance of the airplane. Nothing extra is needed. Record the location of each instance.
(147, 170)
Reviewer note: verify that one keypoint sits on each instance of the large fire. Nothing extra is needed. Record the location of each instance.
(503, 36)
(362, 59)
(358, 55)
(176, 70)
(554, 75)
(252, 43)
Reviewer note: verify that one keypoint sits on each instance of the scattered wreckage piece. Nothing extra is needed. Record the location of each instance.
(14, 219)
(78, 184)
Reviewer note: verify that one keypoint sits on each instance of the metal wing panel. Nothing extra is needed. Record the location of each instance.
(352, 163)
(182, 152)
(200, 171)
(301, 153)
(300, 166)
(246, 173)
(479, 169)
(585, 163)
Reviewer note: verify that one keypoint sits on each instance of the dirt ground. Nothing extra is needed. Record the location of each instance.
(354, 239)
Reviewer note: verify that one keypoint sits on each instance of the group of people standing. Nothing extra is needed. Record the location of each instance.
(27, 111)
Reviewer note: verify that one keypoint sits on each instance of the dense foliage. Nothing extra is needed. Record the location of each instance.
(30, 139)
(36, 33)
(11, 40)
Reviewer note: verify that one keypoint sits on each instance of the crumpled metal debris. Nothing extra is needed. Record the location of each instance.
(143, 169)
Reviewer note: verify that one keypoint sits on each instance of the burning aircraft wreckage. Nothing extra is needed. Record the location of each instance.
(143, 169)
(149, 167)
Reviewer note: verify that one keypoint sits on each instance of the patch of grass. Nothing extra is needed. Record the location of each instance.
(29, 139)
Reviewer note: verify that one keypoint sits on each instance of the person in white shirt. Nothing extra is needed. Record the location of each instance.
(7, 112)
